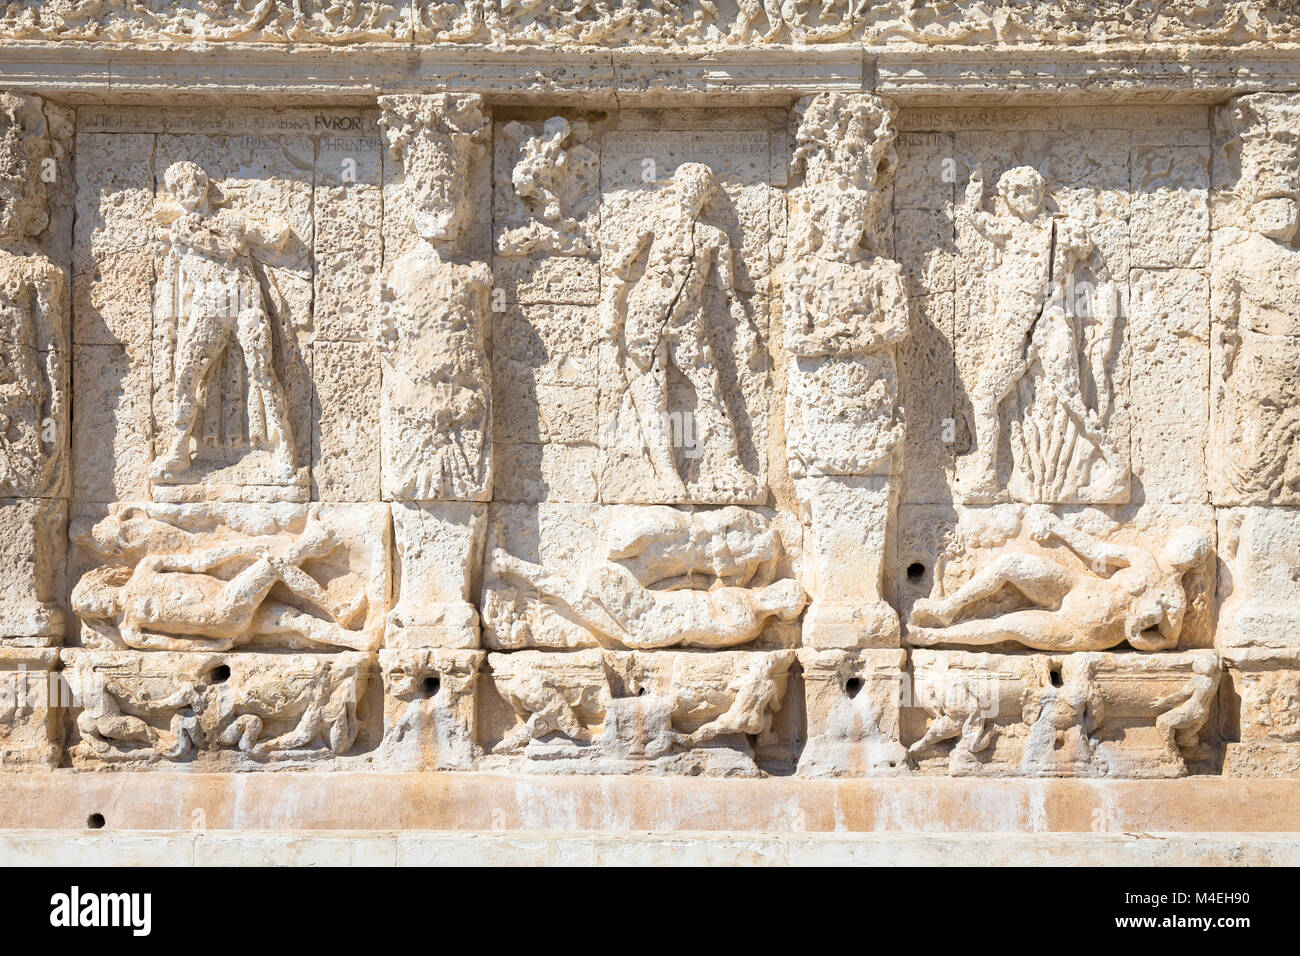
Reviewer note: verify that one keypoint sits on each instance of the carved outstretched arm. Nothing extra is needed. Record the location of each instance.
(271, 233)
(970, 210)
(1098, 554)
(201, 562)
(622, 265)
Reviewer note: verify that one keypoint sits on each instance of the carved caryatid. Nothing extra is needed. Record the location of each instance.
(436, 404)
(33, 308)
(845, 313)
(846, 309)
(1048, 361)
(1256, 452)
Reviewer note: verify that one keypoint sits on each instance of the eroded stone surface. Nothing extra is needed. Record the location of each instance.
(820, 435)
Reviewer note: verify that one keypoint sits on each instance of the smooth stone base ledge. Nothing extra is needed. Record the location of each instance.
(485, 802)
(445, 848)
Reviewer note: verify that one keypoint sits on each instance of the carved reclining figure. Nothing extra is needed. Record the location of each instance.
(646, 591)
(1133, 596)
(187, 596)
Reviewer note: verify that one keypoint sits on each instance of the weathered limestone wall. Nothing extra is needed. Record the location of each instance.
(705, 389)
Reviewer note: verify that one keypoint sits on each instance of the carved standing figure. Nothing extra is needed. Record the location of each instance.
(1038, 350)
(659, 322)
(1131, 592)
(1255, 303)
(845, 314)
(216, 299)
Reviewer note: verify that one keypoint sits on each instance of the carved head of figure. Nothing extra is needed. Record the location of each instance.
(98, 595)
(1023, 190)
(189, 185)
(1275, 218)
(1259, 162)
(24, 151)
(129, 533)
(694, 185)
(436, 137)
(845, 140)
(1187, 548)
(844, 146)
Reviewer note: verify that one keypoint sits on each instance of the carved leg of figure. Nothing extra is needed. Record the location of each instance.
(648, 389)
(244, 731)
(304, 732)
(748, 713)
(1181, 726)
(554, 715)
(590, 612)
(944, 727)
(305, 586)
(235, 605)
(1041, 580)
(102, 731)
(183, 729)
(716, 431)
(195, 352)
(1040, 630)
(274, 618)
(1003, 367)
(976, 735)
(254, 335)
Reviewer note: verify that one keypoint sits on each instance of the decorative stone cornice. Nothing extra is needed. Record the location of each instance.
(690, 24)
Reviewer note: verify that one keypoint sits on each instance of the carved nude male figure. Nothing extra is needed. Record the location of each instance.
(177, 602)
(217, 298)
(663, 321)
(1132, 592)
(646, 591)
(1029, 245)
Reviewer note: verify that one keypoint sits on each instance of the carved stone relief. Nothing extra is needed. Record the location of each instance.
(828, 437)
(437, 408)
(690, 24)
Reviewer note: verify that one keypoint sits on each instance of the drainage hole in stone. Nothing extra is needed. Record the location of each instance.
(219, 674)
(95, 821)
(852, 686)
(430, 686)
(915, 571)
(1056, 678)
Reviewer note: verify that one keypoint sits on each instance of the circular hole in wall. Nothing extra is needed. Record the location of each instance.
(1056, 678)
(915, 571)
(852, 686)
(430, 686)
(95, 821)
(219, 674)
